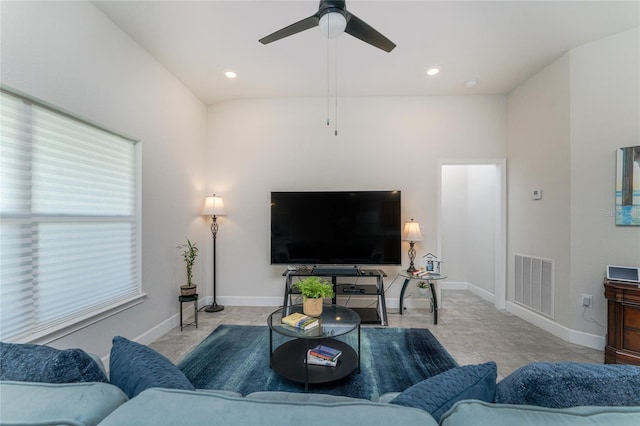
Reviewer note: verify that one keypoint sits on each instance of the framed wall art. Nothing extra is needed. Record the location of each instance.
(628, 186)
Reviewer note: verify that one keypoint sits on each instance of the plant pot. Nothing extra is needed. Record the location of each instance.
(422, 291)
(188, 290)
(312, 307)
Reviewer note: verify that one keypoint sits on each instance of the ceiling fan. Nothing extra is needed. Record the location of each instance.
(334, 19)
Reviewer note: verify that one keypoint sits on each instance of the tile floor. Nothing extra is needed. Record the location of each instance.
(470, 328)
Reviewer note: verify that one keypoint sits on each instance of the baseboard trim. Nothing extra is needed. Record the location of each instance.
(453, 285)
(592, 341)
(149, 336)
(248, 301)
(172, 322)
(572, 336)
(577, 337)
(481, 293)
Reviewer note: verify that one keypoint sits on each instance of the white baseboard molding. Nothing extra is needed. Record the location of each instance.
(453, 285)
(150, 335)
(248, 301)
(482, 293)
(462, 285)
(592, 341)
(573, 336)
(170, 323)
(409, 302)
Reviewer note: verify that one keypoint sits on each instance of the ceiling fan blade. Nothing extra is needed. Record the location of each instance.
(365, 32)
(305, 24)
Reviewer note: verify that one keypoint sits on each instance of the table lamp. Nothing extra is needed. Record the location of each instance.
(411, 233)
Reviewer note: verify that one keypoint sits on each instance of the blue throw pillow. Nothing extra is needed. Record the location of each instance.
(570, 384)
(438, 393)
(134, 367)
(37, 363)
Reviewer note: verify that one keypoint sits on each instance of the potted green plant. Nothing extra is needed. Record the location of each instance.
(422, 287)
(313, 290)
(189, 253)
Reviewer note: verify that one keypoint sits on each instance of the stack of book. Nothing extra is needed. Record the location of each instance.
(422, 273)
(301, 321)
(323, 355)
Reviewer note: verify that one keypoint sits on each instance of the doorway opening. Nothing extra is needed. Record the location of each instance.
(472, 227)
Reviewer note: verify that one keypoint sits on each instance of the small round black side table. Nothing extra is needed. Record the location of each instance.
(190, 298)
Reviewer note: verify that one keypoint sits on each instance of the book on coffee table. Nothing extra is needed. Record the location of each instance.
(314, 360)
(301, 321)
(325, 352)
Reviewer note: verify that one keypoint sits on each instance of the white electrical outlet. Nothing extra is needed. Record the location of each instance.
(536, 194)
(587, 300)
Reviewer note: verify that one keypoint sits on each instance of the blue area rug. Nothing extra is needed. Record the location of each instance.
(236, 358)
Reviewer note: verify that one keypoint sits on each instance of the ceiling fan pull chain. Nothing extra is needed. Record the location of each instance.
(328, 83)
(335, 64)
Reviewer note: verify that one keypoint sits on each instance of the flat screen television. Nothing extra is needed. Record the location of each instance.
(336, 228)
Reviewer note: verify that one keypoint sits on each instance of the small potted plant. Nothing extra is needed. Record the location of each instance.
(189, 253)
(314, 290)
(422, 288)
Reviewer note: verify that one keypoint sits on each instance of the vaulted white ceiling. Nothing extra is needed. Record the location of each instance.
(500, 44)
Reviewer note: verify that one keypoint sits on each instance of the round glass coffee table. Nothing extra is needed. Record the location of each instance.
(290, 358)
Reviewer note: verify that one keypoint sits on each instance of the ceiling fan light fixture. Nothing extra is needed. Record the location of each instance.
(332, 24)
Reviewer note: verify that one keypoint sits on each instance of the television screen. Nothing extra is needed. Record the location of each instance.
(336, 228)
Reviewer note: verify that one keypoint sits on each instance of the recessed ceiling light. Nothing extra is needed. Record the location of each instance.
(230, 74)
(431, 71)
(471, 84)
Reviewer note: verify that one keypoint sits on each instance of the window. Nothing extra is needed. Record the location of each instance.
(68, 220)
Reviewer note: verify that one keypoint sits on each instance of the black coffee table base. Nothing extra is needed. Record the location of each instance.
(289, 361)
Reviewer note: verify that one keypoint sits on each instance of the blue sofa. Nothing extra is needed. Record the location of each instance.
(146, 389)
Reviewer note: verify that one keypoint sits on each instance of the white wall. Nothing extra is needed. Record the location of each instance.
(259, 146)
(562, 125)
(70, 55)
(481, 225)
(605, 115)
(539, 157)
(455, 210)
(565, 124)
(469, 225)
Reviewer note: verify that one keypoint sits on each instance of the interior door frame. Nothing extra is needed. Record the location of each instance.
(500, 246)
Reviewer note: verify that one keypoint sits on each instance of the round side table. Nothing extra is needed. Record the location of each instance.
(432, 280)
(185, 299)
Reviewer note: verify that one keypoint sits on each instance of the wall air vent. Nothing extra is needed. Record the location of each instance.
(534, 283)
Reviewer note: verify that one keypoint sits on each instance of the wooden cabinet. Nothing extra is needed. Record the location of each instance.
(623, 323)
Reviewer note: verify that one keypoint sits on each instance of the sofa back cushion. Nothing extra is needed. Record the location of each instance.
(134, 367)
(78, 404)
(569, 384)
(465, 413)
(185, 408)
(37, 363)
(438, 393)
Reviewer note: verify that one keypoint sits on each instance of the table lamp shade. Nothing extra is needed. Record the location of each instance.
(213, 206)
(411, 231)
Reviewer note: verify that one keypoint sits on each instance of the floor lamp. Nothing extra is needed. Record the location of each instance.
(412, 233)
(214, 207)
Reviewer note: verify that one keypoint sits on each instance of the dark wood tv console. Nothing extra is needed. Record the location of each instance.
(623, 323)
(376, 315)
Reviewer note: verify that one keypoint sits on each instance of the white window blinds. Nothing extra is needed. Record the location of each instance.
(68, 200)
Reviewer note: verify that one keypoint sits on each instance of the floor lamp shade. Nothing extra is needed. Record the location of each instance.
(214, 207)
(412, 233)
